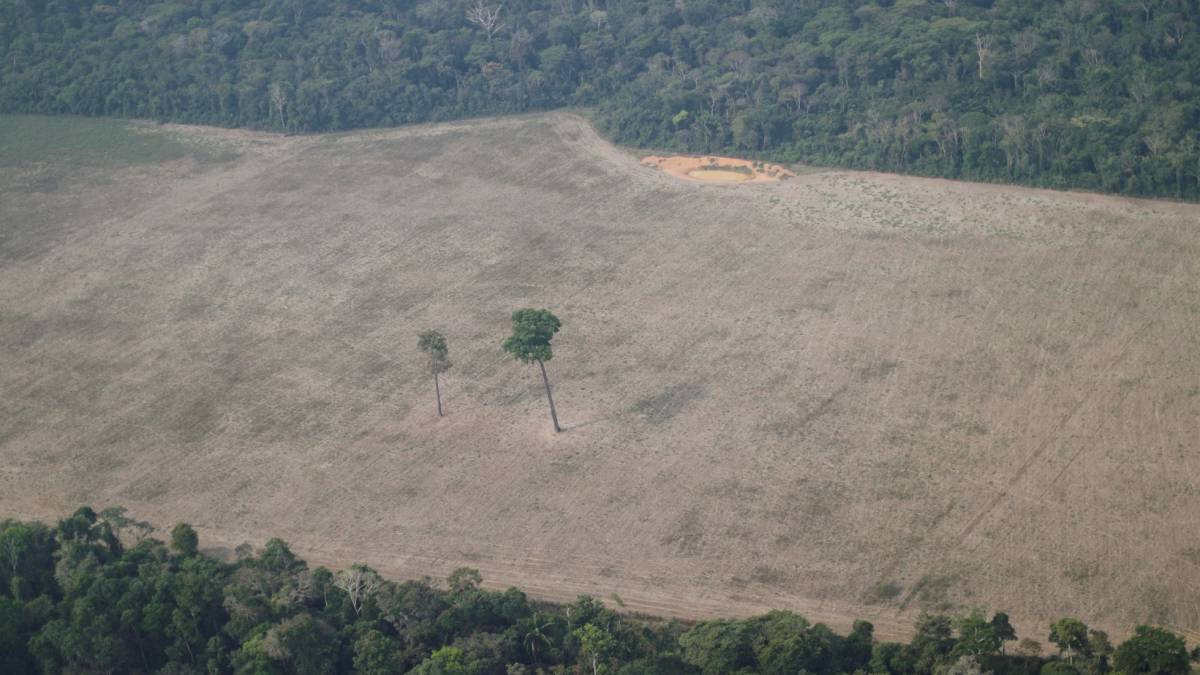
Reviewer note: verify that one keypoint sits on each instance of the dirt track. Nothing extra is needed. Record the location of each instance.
(776, 395)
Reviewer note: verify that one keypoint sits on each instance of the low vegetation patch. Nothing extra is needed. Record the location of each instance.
(884, 591)
(26, 139)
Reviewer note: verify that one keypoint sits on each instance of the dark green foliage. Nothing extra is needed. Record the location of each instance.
(445, 661)
(1099, 96)
(1071, 638)
(464, 580)
(276, 558)
(433, 344)
(540, 634)
(532, 332)
(1152, 651)
(184, 540)
(1003, 628)
(1012, 664)
(26, 559)
(656, 665)
(1101, 651)
(530, 343)
(715, 647)
(117, 520)
(137, 611)
(889, 657)
(148, 608)
(1086, 650)
(597, 646)
(1056, 667)
(856, 650)
(777, 642)
(376, 653)
(976, 636)
(305, 645)
(16, 627)
(933, 641)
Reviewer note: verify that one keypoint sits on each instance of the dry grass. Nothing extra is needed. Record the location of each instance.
(849, 394)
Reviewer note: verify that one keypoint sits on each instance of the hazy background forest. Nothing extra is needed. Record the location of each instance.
(1094, 94)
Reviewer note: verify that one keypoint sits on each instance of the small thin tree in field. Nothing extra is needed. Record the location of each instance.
(530, 343)
(433, 344)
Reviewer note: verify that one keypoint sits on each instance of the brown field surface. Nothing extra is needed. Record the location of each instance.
(849, 394)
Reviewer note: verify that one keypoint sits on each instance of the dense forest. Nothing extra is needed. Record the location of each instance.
(96, 594)
(1094, 94)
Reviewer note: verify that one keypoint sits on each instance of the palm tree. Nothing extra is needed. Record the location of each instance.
(536, 632)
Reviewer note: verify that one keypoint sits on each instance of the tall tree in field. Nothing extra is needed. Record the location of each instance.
(433, 344)
(530, 343)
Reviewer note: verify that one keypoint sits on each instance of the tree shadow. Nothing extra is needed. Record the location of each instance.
(596, 420)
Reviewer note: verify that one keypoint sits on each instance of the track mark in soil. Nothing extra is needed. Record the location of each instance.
(1023, 470)
(1045, 444)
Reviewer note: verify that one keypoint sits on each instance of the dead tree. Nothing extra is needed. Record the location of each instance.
(360, 584)
(487, 18)
(279, 99)
(983, 48)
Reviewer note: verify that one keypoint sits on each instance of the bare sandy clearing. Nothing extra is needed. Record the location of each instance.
(787, 396)
(718, 176)
(712, 169)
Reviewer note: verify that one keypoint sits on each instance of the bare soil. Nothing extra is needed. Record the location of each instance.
(801, 394)
(710, 169)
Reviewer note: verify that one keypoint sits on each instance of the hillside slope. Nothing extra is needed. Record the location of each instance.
(777, 395)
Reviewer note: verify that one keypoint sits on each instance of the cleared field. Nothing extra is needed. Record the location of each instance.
(850, 394)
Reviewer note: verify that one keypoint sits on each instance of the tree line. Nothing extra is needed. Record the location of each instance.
(96, 594)
(1094, 94)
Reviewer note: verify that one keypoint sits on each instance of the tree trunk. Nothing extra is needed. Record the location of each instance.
(438, 387)
(546, 381)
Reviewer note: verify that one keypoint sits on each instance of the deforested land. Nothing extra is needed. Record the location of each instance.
(849, 394)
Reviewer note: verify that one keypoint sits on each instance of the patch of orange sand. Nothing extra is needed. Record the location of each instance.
(711, 169)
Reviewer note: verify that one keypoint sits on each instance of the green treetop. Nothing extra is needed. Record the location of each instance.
(530, 343)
